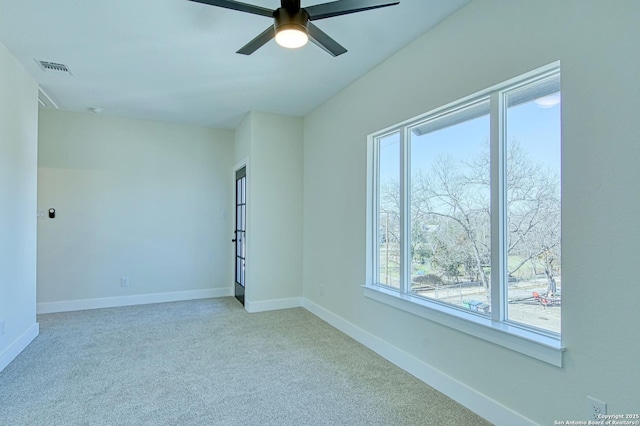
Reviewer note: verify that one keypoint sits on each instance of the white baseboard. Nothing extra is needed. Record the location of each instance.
(273, 305)
(18, 345)
(140, 299)
(475, 401)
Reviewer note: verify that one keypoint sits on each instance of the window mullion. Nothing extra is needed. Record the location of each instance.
(498, 213)
(375, 212)
(405, 213)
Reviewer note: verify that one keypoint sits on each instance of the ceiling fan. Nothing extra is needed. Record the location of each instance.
(292, 25)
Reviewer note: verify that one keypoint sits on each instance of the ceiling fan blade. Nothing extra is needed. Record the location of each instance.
(326, 43)
(343, 7)
(258, 42)
(236, 5)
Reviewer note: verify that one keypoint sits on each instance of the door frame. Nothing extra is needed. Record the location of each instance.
(243, 163)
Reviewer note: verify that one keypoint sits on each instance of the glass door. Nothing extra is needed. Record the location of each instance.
(240, 232)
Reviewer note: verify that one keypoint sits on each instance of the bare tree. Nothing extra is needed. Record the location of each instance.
(389, 221)
(454, 199)
(533, 212)
(451, 218)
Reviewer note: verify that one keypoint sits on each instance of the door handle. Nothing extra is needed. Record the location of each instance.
(234, 240)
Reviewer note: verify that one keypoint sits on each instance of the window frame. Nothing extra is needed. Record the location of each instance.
(496, 328)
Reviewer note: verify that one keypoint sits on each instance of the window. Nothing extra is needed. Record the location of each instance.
(464, 212)
(389, 211)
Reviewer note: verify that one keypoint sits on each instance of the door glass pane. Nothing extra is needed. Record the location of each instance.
(450, 208)
(241, 211)
(533, 204)
(389, 210)
(242, 272)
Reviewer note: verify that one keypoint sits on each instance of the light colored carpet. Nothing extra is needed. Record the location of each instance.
(208, 362)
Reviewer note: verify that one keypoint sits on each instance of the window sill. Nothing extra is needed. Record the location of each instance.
(518, 339)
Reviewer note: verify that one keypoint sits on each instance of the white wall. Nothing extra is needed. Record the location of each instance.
(18, 162)
(242, 140)
(137, 199)
(485, 43)
(273, 145)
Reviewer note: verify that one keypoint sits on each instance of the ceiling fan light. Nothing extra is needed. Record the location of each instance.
(291, 37)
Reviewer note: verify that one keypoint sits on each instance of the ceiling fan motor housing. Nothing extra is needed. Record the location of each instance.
(284, 19)
(292, 26)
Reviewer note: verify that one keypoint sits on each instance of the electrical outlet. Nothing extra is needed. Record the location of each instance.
(595, 408)
(124, 282)
(321, 290)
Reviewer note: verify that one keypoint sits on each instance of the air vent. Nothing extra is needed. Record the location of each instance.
(53, 67)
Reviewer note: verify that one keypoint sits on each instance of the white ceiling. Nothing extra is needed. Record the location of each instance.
(175, 60)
